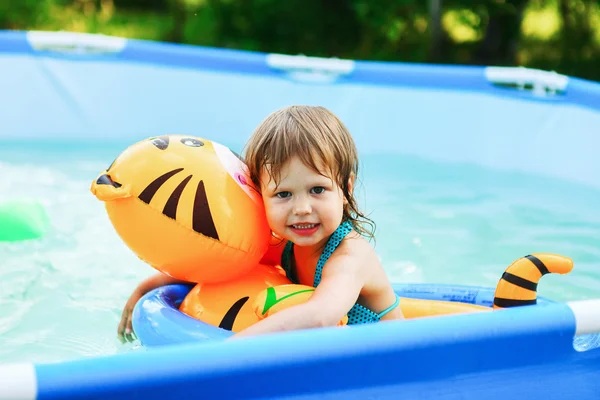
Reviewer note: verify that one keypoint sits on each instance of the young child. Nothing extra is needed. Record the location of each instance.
(304, 162)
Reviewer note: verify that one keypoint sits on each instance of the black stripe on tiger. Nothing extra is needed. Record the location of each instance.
(170, 209)
(202, 221)
(539, 264)
(150, 190)
(507, 303)
(231, 314)
(520, 282)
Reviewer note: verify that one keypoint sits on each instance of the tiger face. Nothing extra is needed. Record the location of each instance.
(186, 206)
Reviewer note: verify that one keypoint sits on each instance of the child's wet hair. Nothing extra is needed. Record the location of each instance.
(317, 137)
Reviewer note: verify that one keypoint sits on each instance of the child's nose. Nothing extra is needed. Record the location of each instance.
(302, 207)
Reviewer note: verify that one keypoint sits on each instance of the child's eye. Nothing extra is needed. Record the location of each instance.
(318, 189)
(283, 195)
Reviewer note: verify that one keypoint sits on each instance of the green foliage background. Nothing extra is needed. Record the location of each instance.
(559, 35)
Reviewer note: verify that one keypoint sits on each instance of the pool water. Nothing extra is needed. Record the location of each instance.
(62, 295)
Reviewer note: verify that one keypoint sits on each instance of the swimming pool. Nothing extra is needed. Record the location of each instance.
(461, 176)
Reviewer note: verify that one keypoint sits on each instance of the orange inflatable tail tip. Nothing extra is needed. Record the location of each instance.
(518, 284)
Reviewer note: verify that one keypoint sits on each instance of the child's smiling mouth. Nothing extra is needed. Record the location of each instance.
(305, 229)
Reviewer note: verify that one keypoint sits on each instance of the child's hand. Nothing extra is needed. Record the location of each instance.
(125, 330)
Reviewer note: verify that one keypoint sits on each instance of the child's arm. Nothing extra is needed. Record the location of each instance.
(125, 330)
(341, 282)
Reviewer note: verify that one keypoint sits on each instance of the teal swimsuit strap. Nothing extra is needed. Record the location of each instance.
(390, 308)
(332, 244)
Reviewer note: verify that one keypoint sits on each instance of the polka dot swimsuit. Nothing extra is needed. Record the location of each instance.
(357, 314)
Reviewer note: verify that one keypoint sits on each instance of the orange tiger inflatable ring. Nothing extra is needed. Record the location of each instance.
(241, 303)
(186, 206)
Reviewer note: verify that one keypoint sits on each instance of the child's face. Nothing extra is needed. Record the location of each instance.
(306, 207)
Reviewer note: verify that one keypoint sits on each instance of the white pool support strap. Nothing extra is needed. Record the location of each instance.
(587, 316)
(18, 381)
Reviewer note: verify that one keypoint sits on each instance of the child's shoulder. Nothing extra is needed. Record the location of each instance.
(356, 246)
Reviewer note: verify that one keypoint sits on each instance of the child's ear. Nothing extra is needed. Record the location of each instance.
(350, 187)
(351, 184)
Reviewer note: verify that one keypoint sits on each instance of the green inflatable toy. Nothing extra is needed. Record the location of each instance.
(22, 220)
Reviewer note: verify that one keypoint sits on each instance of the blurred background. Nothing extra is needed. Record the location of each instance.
(559, 35)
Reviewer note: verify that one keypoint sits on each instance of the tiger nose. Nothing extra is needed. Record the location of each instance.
(105, 179)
